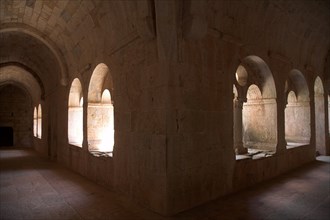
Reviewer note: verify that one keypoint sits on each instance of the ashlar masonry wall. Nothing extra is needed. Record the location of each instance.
(16, 111)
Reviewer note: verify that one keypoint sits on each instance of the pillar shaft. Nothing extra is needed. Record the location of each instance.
(238, 127)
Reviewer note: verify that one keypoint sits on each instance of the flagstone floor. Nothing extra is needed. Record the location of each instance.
(35, 188)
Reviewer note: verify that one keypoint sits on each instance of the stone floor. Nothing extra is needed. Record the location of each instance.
(34, 188)
(255, 154)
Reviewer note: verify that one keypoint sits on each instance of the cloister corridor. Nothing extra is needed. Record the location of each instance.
(164, 109)
(35, 188)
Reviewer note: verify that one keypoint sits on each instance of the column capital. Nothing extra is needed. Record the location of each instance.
(238, 103)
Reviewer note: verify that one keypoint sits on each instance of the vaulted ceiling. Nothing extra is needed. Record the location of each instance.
(57, 37)
(52, 38)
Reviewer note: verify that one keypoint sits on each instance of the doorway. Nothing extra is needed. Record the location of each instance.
(6, 136)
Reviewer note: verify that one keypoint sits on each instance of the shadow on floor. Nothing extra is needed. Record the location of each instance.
(35, 188)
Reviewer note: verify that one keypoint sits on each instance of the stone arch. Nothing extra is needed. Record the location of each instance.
(100, 112)
(39, 119)
(17, 75)
(96, 84)
(106, 97)
(30, 71)
(260, 75)
(255, 105)
(297, 83)
(259, 121)
(253, 93)
(319, 101)
(23, 28)
(35, 121)
(241, 76)
(297, 111)
(75, 114)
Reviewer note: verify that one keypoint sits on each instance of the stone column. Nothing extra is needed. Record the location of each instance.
(281, 142)
(238, 127)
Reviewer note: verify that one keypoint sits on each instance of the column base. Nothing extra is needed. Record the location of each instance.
(241, 150)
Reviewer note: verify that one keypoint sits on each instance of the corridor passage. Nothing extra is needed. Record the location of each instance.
(35, 188)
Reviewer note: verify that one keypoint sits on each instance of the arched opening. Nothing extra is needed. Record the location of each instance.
(107, 123)
(241, 75)
(39, 121)
(255, 113)
(21, 77)
(100, 115)
(297, 111)
(35, 122)
(258, 121)
(320, 138)
(75, 114)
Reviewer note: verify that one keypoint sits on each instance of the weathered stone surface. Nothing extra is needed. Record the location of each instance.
(171, 67)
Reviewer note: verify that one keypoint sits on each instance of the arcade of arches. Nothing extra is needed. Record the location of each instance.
(176, 102)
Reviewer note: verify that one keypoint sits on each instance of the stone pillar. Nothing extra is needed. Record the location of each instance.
(238, 127)
(281, 142)
(312, 133)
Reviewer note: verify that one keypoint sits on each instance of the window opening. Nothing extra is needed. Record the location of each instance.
(254, 110)
(39, 122)
(100, 115)
(297, 111)
(75, 114)
(35, 122)
(320, 132)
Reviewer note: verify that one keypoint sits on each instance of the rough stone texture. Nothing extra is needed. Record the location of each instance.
(172, 68)
(297, 121)
(16, 111)
(260, 125)
(52, 192)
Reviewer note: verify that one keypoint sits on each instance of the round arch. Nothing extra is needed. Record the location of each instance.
(75, 114)
(96, 84)
(76, 93)
(257, 116)
(297, 111)
(100, 112)
(320, 126)
(259, 73)
(297, 83)
(23, 78)
(26, 29)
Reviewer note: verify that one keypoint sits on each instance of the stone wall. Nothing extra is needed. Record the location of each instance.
(16, 111)
(259, 125)
(172, 65)
(249, 172)
(297, 123)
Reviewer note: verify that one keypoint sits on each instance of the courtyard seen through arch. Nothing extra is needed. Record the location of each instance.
(100, 113)
(168, 104)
